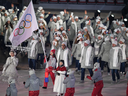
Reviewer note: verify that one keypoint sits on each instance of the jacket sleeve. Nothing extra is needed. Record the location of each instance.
(74, 49)
(66, 80)
(27, 83)
(101, 51)
(40, 83)
(47, 32)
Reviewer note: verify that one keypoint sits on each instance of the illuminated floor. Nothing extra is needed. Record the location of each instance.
(81, 89)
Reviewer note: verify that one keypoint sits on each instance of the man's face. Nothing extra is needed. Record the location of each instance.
(99, 38)
(61, 63)
(54, 20)
(63, 46)
(76, 19)
(11, 54)
(58, 18)
(113, 45)
(85, 44)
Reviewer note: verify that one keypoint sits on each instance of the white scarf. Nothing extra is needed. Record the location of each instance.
(65, 55)
(56, 24)
(88, 54)
(60, 22)
(33, 47)
(75, 27)
(115, 56)
(123, 47)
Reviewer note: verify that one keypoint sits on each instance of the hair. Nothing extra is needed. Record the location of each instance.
(53, 56)
(6, 24)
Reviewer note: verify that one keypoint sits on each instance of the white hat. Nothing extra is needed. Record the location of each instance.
(85, 28)
(115, 30)
(100, 36)
(79, 30)
(10, 10)
(114, 42)
(126, 29)
(96, 65)
(40, 19)
(40, 30)
(64, 32)
(8, 19)
(76, 17)
(24, 7)
(58, 33)
(97, 20)
(107, 38)
(114, 21)
(42, 15)
(111, 35)
(14, 16)
(103, 30)
(40, 8)
(40, 24)
(98, 17)
(7, 13)
(54, 17)
(60, 27)
(70, 72)
(11, 81)
(62, 12)
(121, 23)
(87, 22)
(122, 39)
(79, 35)
(87, 42)
(58, 15)
(57, 38)
(65, 43)
(79, 38)
(2, 7)
(32, 71)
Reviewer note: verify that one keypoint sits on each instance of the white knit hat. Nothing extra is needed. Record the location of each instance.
(8, 19)
(87, 22)
(62, 12)
(65, 43)
(76, 17)
(100, 36)
(40, 24)
(11, 81)
(32, 71)
(41, 15)
(79, 38)
(87, 42)
(58, 15)
(24, 7)
(97, 20)
(79, 35)
(2, 7)
(54, 17)
(98, 17)
(64, 32)
(40, 8)
(57, 38)
(103, 30)
(122, 39)
(85, 28)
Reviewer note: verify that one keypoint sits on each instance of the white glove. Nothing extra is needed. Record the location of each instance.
(53, 71)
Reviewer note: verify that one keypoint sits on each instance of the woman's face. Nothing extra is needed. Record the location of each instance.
(99, 38)
(121, 42)
(8, 22)
(51, 53)
(41, 27)
(11, 54)
(61, 63)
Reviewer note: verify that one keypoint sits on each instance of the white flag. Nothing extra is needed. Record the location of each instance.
(25, 26)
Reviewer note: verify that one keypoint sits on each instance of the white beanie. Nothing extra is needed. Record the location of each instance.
(32, 71)
(58, 15)
(126, 29)
(98, 17)
(111, 35)
(40, 24)
(57, 38)
(40, 8)
(107, 38)
(24, 7)
(8, 19)
(62, 12)
(79, 35)
(70, 72)
(76, 17)
(65, 43)
(103, 30)
(64, 32)
(87, 42)
(96, 65)
(41, 15)
(2, 7)
(97, 20)
(79, 38)
(115, 30)
(87, 22)
(7, 13)
(85, 28)
(11, 81)
(60, 27)
(122, 39)
(40, 30)
(54, 17)
(114, 42)
(100, 36)
(127, 34)
(40, 19)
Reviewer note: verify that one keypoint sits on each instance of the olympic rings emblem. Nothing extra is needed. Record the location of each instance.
(22, 26)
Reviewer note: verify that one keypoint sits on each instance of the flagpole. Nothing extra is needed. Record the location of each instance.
(43, 49)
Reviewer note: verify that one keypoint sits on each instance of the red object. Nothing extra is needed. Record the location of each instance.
(127, 90)
(52, 77)
(70, 92)
(53, 51)
(34, 93)
(61, 68)
(97, 88)
(89, 77)
(96, 69)
(45, 59)
(62, 0)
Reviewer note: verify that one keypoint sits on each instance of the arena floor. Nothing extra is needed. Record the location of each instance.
(82, 89)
